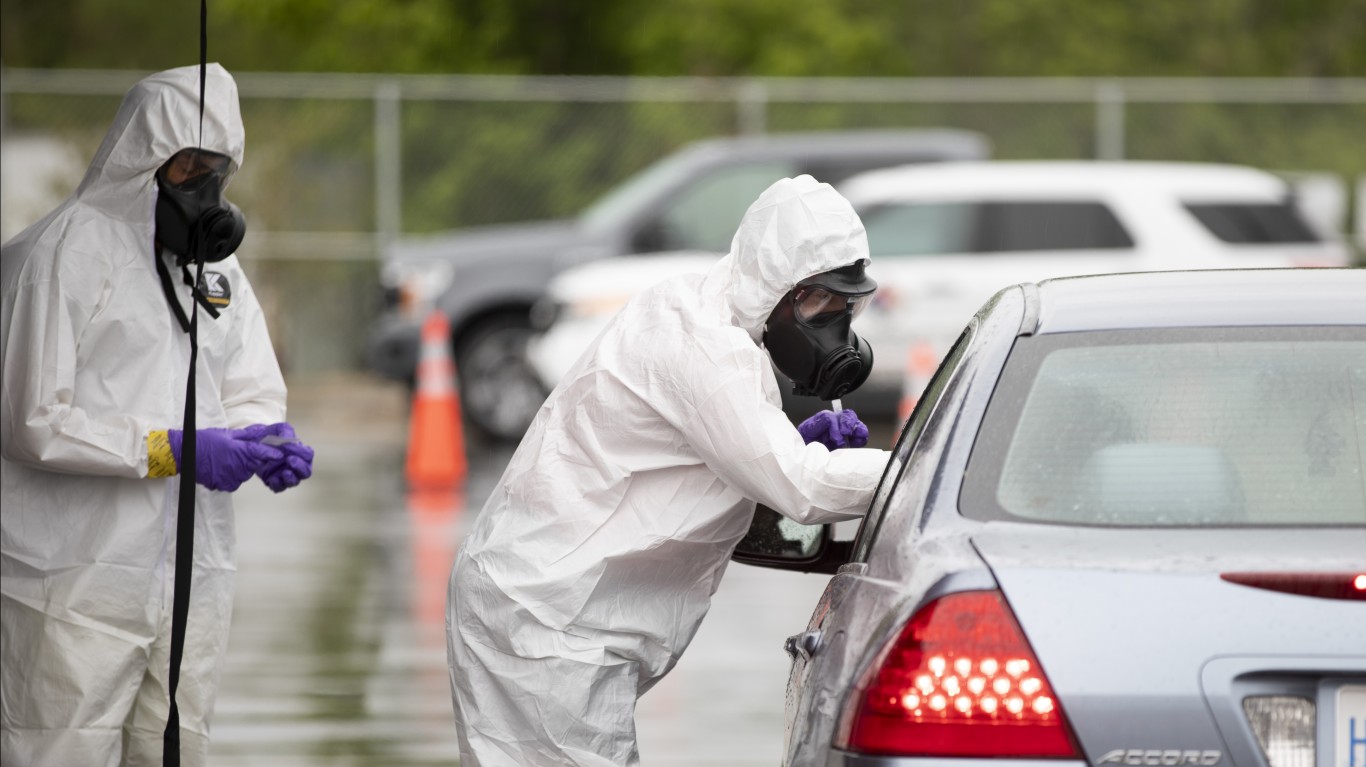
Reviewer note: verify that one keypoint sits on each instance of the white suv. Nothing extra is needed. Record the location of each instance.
(946, 237)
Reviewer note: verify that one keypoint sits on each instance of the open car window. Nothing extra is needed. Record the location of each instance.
(1188, 427)
(906, 443)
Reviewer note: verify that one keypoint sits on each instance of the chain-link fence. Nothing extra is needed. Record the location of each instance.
(337, 165)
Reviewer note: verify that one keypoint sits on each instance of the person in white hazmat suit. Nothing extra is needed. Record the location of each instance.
(94, 373)
(594, 561)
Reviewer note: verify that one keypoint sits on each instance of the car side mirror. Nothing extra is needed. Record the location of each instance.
(777, 542)
(653, 236)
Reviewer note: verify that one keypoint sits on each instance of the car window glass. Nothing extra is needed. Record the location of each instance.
(1039, 225)
(910, 435)
(1178, 428)
(914, 229)
(1254, 223)
(707, 213)
(924, 228)
(833, 171)
(621, 203)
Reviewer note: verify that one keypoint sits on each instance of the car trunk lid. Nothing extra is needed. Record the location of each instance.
(1152, 653)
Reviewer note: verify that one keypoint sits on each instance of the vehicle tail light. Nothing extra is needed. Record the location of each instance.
(595, 306)
(1316, 262)
(959, 680)
(409, 300)
(886, 298)
(1348, 585)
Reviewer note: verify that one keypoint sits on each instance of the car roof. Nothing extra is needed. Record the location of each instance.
(945, 143)
(1213, 298)
(980, 180)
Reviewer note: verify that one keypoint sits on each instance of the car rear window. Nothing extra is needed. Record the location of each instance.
(1009, 226)
(1225, 426)
(1244, 223)
(925, 228)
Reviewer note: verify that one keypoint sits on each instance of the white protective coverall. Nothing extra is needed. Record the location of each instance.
(593, 563)
(92, 361)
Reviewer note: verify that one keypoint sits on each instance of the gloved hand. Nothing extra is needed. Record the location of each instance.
(225, 458)
(296, 463)
(834, 430)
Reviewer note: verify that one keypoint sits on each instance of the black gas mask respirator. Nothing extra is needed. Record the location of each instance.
(809, 335)
(193, 219)
(195, 222)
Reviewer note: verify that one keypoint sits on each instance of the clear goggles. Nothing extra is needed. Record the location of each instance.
(190, 169)
(817, 306)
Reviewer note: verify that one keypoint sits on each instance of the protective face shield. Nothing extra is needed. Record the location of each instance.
(809, 335)
(193, 219)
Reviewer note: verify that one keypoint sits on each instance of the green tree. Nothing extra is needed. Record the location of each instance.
(1236, 38)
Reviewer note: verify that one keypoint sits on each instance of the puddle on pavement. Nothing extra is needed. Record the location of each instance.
(337, 654)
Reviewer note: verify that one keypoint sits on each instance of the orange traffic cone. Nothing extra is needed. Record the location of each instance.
(436, 443)
(921, 361)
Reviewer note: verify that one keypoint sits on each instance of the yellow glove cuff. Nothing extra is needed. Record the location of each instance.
(160, 459)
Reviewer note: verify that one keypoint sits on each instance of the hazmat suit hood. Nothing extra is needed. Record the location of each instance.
(159, 116)
(797, 228)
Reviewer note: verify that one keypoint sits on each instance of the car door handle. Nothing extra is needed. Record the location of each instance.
(805, 644)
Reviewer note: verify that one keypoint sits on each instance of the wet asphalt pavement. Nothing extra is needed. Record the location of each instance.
(337, 654)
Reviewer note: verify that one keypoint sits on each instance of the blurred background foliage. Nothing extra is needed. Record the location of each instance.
(311, 162)
(894, 38)
(480, 162)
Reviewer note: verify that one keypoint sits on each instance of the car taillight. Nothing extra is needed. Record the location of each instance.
(1348, 585)
(959, 680)
(1313, 262)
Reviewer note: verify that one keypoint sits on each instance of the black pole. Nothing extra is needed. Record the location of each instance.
(184, 538)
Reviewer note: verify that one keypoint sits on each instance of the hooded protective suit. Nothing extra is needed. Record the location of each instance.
(92, 361)
(593, 563)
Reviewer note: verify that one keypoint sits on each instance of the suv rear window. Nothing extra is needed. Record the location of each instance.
(1010, 226)
(1242, 223)
(924, 228)
(1222, 426)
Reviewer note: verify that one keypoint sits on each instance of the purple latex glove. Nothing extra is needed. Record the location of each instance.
(224, 458)
(296, 463)
(834, 430)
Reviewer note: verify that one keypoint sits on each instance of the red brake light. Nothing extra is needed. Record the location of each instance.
(960, 680)
(1323, 585)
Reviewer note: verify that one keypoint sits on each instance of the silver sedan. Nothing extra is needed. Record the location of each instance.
(1126, 524)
